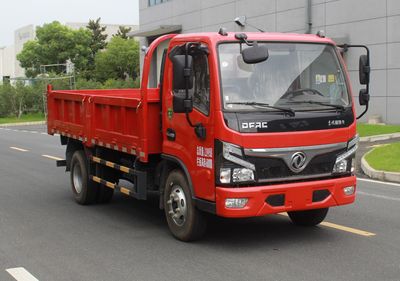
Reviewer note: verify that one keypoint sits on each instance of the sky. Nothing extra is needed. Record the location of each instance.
(19, 13)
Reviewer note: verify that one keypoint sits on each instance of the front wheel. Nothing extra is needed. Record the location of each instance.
(309, 217)
(184, 221)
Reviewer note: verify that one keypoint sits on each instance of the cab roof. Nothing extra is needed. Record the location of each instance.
(215, 37)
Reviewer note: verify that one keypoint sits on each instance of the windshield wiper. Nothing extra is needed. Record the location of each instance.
(266, 105)
(337, 106)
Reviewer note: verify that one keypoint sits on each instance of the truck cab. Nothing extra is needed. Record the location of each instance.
(276, 134)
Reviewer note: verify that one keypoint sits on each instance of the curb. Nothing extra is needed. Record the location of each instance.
(23, 124)
(376, 174)
(380, 137)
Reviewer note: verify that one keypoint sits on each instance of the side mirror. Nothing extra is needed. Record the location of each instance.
(180, 104)
(181, 73)
(183, 80)
(364, 70)
(255, 54)
(363, 97)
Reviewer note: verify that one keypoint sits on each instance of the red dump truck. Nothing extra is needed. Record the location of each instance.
(239, 125)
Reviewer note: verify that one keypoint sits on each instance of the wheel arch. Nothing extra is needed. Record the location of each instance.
(72, 146)
(169, 164)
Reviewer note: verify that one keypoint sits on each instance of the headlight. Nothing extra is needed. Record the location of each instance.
(345, 160)
(341, 166)
(232, 167)
(242, 175)
(230, 151)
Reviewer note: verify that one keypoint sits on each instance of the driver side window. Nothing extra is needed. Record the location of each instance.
(201, 84)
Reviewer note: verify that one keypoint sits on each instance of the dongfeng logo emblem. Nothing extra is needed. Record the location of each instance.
(297, 164)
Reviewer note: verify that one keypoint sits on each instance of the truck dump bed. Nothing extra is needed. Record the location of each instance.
(116, 119)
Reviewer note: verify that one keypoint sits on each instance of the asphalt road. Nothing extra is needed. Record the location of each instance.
(44, 231)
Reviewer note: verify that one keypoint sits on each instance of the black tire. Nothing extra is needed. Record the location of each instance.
(190, 224)
(83, 189)
(309, 217)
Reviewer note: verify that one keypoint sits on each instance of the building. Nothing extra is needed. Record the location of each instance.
(7, 62)
(21, 36)
(371, 22)
(9, 65)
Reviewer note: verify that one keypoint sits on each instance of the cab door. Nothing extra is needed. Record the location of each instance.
(180, 140)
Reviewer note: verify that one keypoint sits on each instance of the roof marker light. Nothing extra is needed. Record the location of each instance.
(321, 33)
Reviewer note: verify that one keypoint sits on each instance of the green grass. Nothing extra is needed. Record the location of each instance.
(365, 130)
(33, 117)
(385, 158)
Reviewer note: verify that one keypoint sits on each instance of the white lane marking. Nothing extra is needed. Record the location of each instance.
(380, 182)
(52, 157)
(19, 149)
(21, 274)
(379, 196)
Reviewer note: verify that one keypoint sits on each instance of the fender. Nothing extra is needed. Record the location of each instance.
(201, 204)
(180, 163)
(72, 146)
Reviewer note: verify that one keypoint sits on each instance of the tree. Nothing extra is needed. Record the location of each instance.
(123, 32)
(6, 97)
(55, 44)
(120, 60)
(98, 40)
(97, 43)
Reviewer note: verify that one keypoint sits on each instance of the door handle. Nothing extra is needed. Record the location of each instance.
(171, 135)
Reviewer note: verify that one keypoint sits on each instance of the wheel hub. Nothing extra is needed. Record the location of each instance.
(177, 205)
(77, 178)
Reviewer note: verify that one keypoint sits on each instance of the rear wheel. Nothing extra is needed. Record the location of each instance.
(184, 221)
(309, 217)
(83, 189)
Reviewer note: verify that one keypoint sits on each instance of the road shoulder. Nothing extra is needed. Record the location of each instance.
(377, 174)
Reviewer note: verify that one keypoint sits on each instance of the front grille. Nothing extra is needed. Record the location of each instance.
(275, 169)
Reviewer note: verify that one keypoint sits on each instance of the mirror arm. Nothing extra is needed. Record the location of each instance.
(366, 106)
(365, 111)
(242, 37)
(346, 47)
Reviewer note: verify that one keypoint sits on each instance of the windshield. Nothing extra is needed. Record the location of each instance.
(302, 77)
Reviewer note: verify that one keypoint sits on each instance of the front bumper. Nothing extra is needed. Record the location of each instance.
(297, 196)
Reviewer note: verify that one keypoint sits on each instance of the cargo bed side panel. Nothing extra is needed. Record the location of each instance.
(111, 119)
